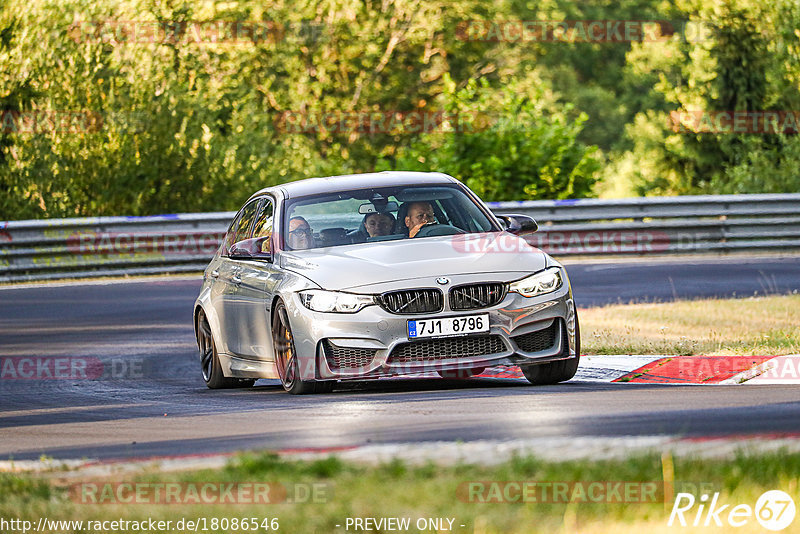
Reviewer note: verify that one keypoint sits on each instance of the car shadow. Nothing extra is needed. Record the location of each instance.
(432, 385)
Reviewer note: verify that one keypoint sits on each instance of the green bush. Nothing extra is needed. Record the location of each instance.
(506, 146)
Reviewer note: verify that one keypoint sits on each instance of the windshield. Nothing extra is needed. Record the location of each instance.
(381, 214)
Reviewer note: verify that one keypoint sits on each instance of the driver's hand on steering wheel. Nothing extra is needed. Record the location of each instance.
(415, 230)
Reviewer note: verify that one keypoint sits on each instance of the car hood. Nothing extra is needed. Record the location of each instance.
(357, 266)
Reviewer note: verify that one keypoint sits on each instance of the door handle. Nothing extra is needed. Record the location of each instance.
(214, 274)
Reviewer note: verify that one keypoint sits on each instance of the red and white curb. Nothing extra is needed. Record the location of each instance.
(725, 370)
(777, 370)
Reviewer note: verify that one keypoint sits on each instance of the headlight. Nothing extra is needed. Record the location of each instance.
(540, 283)
(320, 300)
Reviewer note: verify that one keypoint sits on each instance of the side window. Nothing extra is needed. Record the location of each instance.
(248, 214)
(263, 227)
(230, 235)
(241, 225)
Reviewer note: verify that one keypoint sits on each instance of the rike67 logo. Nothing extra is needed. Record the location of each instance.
(774, 510)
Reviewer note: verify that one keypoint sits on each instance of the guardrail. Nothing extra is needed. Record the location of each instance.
(663, 225)
(103, 246)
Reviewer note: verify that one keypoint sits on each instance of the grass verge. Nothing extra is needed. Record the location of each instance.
(348, 490)
(743, 327)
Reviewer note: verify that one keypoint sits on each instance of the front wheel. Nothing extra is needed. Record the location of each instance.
(558, 371)
(286, 357)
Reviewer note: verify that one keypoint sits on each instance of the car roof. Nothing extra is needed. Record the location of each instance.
(333, 184)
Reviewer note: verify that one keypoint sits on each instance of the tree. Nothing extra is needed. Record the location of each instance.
(505, 144)
(740, 66)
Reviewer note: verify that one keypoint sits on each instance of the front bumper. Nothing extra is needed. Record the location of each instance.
(374, 342)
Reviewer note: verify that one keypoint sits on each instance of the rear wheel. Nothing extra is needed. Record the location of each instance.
(558, 371)
(286, 357)
(209, 359)
(461, 373)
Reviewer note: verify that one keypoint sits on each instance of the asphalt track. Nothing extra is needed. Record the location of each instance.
(152, 402)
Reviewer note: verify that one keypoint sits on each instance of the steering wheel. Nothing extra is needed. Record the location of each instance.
(437, 229)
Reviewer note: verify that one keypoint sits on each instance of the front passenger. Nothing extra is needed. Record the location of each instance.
(378, 224)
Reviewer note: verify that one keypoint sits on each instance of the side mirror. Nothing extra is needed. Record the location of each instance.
(238, 251)
(518, 224)
(251, 249)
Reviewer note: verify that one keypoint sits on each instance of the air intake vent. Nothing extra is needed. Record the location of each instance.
(539, 340)
(412, 301)
(476, 296)
(445, 349)
(347, 357)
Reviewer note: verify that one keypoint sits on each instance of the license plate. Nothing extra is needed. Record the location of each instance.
(448, 326)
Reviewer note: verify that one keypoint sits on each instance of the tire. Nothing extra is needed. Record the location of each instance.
(286, 360)
(461, 373)
(545, 374)
(209, 359)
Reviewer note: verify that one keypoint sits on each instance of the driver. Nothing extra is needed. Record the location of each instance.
(300, 236)
(419, 214)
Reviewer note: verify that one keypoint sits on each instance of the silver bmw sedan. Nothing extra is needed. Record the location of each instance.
(372, 275)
